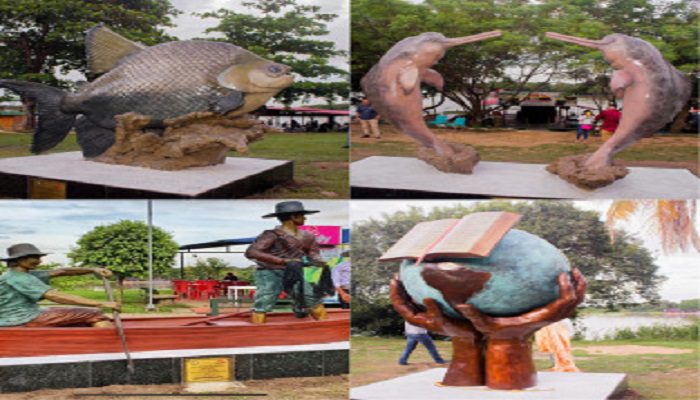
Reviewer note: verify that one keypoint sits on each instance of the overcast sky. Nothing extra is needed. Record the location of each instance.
(681, 269)
(55, 226)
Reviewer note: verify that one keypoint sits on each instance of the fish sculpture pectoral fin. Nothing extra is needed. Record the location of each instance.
(408, 78)
(92, 138)
(434, 79)
(620, 81)
(228, 103)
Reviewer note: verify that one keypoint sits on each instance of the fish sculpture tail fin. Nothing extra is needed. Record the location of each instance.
(54, 124)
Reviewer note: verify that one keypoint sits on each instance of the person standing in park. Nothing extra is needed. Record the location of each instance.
(281, 254)
(369, 119)
(611, 119)
(22, 286)
(414, 335)
(585, 125)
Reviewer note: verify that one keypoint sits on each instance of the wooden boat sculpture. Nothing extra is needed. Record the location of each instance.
(177, 333)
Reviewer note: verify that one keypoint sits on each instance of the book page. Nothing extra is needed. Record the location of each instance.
(475, 235)
(417, 240)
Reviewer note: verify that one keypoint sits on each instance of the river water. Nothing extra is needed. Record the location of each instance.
(599, 325)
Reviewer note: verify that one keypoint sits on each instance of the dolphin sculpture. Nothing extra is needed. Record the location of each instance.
(653, 90)
(393, 84)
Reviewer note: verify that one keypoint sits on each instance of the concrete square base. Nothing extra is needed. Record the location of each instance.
(69, 175)
(403, 177)
(552, 385)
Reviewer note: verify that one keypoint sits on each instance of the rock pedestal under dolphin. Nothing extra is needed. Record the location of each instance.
(393, 88)
(654, 92)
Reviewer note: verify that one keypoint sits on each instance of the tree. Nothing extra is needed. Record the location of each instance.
(210, 268)
(40, 38)
(287, 32)
(617, 273)
(122, 248)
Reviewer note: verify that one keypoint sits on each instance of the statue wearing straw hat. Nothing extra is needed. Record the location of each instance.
(22, 286)
(281, 254)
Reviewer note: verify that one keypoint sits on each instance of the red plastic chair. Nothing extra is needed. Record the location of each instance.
(208, 288)
(180, 287)
(224, 285)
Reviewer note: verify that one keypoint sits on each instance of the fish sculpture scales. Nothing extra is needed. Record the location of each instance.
(654, 92)
(393, 86)
(163, 81)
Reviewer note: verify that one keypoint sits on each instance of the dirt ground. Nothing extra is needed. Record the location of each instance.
(523, 139)
(326, 388)
(625, 350)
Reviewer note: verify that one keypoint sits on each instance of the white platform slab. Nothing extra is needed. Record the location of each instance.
(68, 358)
(551, 385)
(499, 179)
(192, 182)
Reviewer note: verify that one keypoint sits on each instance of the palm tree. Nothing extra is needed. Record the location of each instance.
(672, 220)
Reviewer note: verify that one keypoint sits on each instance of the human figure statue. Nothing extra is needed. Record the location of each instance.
(506, 359)
(281, 253)
(22, 286)
(414, 335)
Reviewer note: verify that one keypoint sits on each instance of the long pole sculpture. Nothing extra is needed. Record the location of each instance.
(120, 328)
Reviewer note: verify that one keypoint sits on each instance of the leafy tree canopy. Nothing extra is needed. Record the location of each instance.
(123, 249)
(40, 37)
(288, 32)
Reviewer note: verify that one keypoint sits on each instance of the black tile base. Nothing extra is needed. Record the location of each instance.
(159, 371)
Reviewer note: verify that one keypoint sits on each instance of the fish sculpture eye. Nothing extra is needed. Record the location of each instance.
(275, 69)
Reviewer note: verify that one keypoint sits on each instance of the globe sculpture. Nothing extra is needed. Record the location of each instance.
(523, 268)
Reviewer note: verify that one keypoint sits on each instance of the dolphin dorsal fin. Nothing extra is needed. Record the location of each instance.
(105, 48)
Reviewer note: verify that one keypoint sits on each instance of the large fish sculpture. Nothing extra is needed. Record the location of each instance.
(652, 89)
(393, 84)
(163, 81)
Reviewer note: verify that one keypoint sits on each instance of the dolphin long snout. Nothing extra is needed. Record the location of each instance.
(596, 44)
(473, 38)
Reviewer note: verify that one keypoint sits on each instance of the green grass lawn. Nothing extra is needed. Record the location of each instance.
(653, 376)
(320, 163)
(320, 160)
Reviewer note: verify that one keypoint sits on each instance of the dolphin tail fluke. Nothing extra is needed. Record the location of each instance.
(54, 124)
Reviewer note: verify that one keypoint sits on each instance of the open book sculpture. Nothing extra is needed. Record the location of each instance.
(169, 106)
(492, 291)
(393, 86)
(654, 92)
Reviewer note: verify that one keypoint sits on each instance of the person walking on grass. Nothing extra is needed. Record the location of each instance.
(611, 119)
(585, 125)
(414, 335)
(369, 119)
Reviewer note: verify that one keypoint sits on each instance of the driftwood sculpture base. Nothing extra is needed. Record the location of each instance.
(573, 170)
(192, 140)
(463, 161)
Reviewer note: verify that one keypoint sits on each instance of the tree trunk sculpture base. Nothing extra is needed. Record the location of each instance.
(192, 140)
(462, 162)
(573, 170)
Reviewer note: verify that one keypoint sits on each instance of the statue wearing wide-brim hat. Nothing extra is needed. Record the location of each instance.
(289, 208)
(281, 255)
(22, 286)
